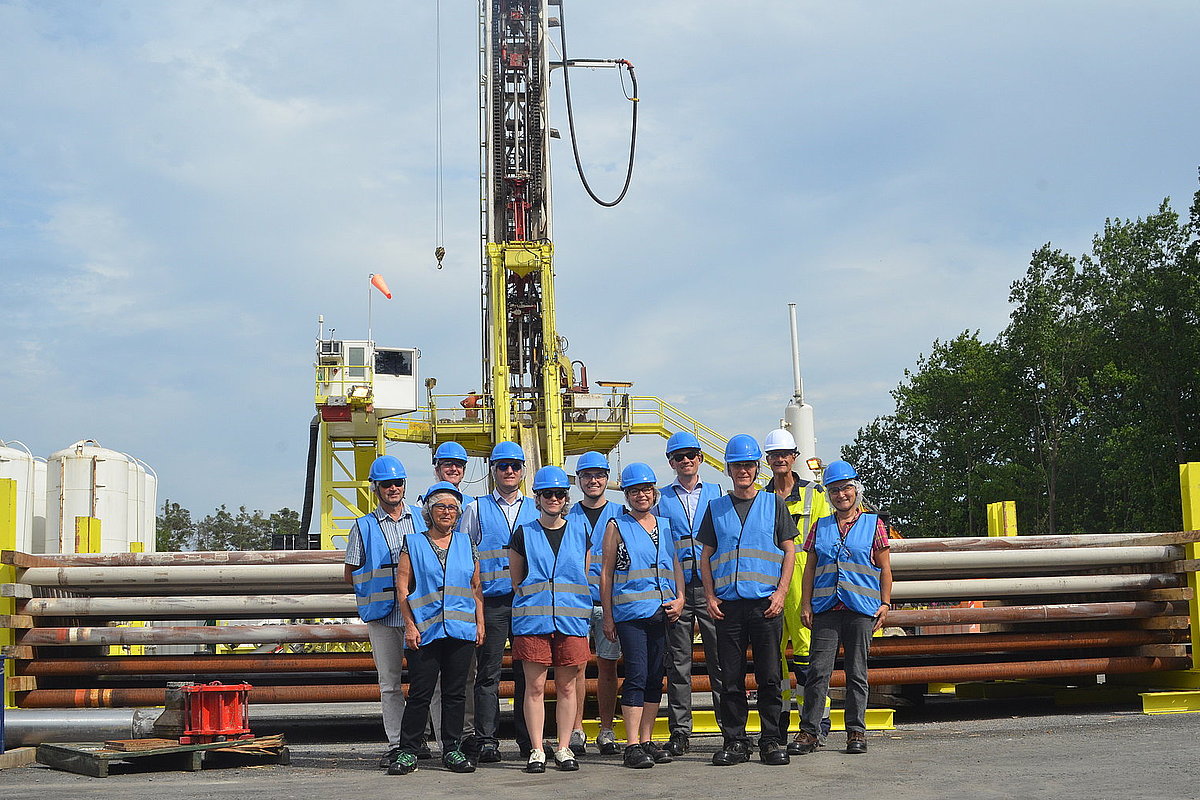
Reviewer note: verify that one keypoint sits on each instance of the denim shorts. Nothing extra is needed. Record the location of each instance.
(604, 648)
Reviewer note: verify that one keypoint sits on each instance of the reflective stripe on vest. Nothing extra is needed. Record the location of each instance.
(595, 537)
(375, 581)
(747, 563)
(554, 595)
(442, 602)
(640, 591)
(494, 536)
(844, 570)
(687, 549)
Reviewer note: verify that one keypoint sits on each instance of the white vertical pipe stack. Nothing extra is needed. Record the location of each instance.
(798, 416)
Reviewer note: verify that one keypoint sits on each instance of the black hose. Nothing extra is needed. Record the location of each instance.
(562, 37)
(314, 430)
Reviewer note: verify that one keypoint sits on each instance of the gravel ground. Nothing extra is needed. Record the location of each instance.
(1109, 754)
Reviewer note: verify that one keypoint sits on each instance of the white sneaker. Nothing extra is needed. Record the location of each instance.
(537, 761)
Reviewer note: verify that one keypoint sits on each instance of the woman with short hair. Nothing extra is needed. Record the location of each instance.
(639, 592)
(437, 585)
(552, 612)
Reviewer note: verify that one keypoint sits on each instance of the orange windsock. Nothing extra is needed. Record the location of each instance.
(379, 283)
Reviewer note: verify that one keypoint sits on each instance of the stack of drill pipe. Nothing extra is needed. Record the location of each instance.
(1057, 606)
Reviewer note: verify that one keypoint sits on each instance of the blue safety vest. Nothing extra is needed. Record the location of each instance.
(494, 535)
(595, 537)
(640, 591)
(554, 595)
(442, 601)
(687, 549)
(747, 563)
(844, 570)
(374, 582)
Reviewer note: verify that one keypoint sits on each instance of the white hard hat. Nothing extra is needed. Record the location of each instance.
(779, 439)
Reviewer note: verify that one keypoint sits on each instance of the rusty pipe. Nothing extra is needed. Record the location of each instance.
(357, 693)
(196, 634)
(202, 665)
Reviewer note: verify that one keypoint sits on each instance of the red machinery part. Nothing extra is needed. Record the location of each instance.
(216, 712)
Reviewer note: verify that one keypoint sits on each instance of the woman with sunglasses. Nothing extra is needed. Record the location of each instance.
(437, 585)
(639, 591)
(847, 594)
(552, 612)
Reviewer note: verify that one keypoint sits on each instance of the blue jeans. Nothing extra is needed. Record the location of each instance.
(644, 643)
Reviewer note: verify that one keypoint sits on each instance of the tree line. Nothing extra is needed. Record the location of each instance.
(1080, 409)
(221, 530)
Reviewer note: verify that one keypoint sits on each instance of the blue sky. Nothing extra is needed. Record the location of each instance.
(185, 186)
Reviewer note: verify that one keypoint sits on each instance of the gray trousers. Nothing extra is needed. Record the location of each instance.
(680, 635)
(387, 648)
(829, 628)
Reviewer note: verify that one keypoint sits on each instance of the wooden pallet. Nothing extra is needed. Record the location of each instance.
(94, 758)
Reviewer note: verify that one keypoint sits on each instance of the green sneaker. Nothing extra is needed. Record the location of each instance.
(404, 764)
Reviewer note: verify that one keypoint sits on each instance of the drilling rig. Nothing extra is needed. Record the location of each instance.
(532, 392)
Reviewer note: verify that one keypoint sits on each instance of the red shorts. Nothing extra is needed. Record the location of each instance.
(552, 649)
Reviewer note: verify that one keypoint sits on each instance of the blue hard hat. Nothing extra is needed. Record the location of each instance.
(444, 486)
(742, 447)
(452, 450)
(507, 451)
(551, 478)
(838, 471)
(387, 468)
(592, 460)
(682, 441)
(637, 474)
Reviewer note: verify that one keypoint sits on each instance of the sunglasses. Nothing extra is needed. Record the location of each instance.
(555, 494)
(507, 466)
(685, 455)
(390, 484)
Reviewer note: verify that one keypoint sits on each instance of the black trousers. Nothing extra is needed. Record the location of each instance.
(497, 625)
(745, 626)
(447, 659)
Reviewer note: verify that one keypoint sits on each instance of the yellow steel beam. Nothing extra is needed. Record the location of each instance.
(1170, 702)
(1189, 491)
(8, 574)
(877, 719)
(1002, 518)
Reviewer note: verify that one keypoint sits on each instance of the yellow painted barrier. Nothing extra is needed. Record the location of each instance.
(1002, 518)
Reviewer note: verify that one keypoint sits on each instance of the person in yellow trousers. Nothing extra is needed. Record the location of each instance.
(806, 502)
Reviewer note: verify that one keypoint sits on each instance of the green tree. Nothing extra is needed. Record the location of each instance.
(222, 530)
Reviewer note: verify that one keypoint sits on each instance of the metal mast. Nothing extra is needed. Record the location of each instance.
(524, 370)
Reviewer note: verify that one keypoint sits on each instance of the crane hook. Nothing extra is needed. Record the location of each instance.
(439, 254)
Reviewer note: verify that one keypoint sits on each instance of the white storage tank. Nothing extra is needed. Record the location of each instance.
(142, 490)
(87, 480)
(39, 505)
(150, 508)
(18, 463)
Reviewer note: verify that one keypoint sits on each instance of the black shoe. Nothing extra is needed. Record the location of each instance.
(470, 747)
(659, 755)
(637, 758)
(772, 753)
(578, 743)
(489, 753)
(457, 761)
(803, 744)
(678, 745)
(606, 743)
(856, 743)
(387, 758)
(423, 752)
(733, 752)
(565, 759)
(537, 762)
(404, 764)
